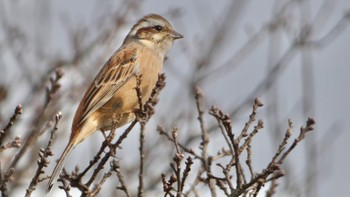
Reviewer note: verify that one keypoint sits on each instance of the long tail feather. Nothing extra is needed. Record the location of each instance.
(59, 166)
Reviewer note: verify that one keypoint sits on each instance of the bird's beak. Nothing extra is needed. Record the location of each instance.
(176, 35)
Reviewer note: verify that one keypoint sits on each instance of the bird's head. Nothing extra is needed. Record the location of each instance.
(155, 32)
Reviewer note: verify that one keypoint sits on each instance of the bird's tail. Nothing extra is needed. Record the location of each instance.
(58, 168)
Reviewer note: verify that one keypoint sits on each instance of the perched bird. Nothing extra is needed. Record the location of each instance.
(112, 92)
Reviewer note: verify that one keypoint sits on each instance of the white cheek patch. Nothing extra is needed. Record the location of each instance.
(157, 37)
(148, 43)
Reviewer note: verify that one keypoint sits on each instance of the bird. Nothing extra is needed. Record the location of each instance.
(112, 92)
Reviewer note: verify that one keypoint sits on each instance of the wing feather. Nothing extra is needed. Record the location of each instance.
(117, 70)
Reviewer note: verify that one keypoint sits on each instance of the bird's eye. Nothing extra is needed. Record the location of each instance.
(158, 28)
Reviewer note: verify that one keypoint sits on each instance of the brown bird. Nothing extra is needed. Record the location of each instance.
(112, 92)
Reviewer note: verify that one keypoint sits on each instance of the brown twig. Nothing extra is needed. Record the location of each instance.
(65, 185)
(162, 131)
(4, 179)
(120, 176)
(249, 160)
(141, 118)
(259, 126)
(284, 143)
(43, 158)
(15, 143)
(3, 132)
(205, 139)
(180, 180)
(204, 134)
(32, 136)
(186, 172)
(257, 103)
(105, 176)
(111, 152)
(310, 123)
(167, 185)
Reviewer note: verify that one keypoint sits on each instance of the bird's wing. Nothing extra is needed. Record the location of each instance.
(117, 70)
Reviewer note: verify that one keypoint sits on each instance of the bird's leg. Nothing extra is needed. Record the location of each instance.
(104, 133)
(108, 138)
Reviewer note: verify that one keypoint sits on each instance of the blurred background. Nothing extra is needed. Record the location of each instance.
(293, 54)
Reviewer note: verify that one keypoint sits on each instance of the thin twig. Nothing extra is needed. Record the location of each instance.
(111, 152)
(257, 103)
(3, 132)
(186, 172)
(33, 134)
(105, 176)
(303, 130)
(142, 158)
(120, 176)
(43, 160)
(183, 147)
(15, 143)
(139, 116)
